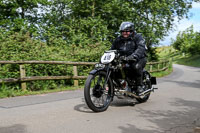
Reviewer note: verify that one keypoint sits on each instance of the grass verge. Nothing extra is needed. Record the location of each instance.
(189, 60)
(167, 52)
(163, 73)
(13, 93)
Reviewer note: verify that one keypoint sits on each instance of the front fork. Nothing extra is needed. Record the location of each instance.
(108, 72)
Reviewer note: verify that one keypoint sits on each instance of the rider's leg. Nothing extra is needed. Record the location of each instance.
(138, 69)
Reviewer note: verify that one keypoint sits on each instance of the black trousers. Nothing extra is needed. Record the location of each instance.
(135, 70)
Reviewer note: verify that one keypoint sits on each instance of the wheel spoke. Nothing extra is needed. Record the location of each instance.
(99, 103)
(104, 97)
(102, 100)
(99, 80)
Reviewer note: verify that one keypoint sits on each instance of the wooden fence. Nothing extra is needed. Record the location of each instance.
(151, 67)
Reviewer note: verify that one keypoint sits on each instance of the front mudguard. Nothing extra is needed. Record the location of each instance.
(94, 71)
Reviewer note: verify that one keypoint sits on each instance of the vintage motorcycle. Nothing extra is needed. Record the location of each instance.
(110, 78)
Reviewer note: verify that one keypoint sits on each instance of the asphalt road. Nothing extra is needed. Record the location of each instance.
(173, 108)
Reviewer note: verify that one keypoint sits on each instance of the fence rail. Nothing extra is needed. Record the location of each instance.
(161, 66)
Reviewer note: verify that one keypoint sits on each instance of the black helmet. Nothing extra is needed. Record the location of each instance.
(126, 26)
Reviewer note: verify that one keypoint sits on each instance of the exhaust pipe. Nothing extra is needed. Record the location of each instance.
(147, 91)
(136, 96)
(129, 93)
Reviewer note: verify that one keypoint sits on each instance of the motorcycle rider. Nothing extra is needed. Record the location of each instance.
(132, 46)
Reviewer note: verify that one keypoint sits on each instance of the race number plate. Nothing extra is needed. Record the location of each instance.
(107, 57)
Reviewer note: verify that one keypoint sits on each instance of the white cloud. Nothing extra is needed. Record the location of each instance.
(181, 26)
(184, 24)
(195, 5)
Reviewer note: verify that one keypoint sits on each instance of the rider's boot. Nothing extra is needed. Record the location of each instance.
(140, 89)
(139, 84)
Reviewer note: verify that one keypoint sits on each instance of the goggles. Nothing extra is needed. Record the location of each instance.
(126, 31)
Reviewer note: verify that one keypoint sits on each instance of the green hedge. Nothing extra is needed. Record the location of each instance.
(23, 46)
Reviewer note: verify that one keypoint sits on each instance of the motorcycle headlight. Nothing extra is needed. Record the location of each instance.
(99, 65)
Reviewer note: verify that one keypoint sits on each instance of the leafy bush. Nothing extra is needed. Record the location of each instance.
(188, 41)
(21, 45)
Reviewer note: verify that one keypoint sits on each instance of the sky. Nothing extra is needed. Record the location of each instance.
(182, 25)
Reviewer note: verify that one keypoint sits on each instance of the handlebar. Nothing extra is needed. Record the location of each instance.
(124, 59)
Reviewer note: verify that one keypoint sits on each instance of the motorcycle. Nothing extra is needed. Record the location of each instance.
(110, 78)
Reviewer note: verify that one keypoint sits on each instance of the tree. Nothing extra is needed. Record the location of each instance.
(187, 41)
(154, 19)
(18, 14)
(56, 19)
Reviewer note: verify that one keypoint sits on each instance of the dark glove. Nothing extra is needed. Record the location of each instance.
(132, 58)
(135, 57)
(122, 58)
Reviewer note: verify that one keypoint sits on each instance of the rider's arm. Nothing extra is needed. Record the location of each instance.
(140, 42)
(140, 49)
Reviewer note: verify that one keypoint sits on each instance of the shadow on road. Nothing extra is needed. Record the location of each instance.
(83, 107)
(187, 84)
(18, 128)
(123, 102)
(116, 103)
(184, 120)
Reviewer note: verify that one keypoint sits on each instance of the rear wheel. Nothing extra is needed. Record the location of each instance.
(98, 94)
(147, 85)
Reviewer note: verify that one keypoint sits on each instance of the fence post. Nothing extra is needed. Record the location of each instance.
(170, 62)
(163, 64)
(168, 65)
(197, 130)
(22, 75)
(151, 68)
(158, 66)
(75, 72)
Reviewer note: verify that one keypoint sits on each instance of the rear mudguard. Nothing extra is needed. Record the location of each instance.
(153, 79)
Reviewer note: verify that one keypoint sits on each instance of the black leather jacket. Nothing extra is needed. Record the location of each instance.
(134, 46)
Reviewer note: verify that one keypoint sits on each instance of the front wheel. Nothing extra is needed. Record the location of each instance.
(98, 94)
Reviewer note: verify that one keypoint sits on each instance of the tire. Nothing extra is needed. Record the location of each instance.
(96, 96)
(148, 85)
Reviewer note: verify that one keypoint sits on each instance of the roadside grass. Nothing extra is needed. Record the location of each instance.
(189, 60)
(163, 73)
(6, 92)
(168, 52)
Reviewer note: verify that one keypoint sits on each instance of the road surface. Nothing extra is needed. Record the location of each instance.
(173, 108)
